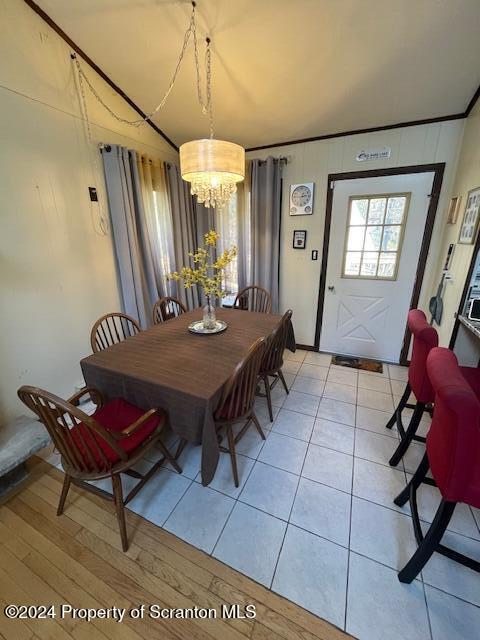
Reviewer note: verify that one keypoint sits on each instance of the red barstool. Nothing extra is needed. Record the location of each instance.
(425, 338)
(452, 455)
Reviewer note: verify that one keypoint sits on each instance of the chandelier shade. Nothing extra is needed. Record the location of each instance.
(213, 168)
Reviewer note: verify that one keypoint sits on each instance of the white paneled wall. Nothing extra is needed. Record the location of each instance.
(314, 161)
(57, 272)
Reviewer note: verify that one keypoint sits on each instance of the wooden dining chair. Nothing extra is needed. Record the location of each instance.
(102, 445)
(237, 401)
(272, 363)
(253, 298)
(167, 308)
(112, 328)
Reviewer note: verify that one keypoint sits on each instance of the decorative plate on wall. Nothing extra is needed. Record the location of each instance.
(301, 199)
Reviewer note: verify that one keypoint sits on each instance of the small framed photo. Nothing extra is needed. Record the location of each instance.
(453, 209)
(468, 230)
(299, 239)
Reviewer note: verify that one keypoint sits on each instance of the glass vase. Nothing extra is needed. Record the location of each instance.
(209, 319)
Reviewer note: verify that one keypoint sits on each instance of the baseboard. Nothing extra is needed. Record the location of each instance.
(306, 347)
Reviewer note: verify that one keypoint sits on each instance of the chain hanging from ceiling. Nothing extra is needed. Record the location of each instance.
(206, 105)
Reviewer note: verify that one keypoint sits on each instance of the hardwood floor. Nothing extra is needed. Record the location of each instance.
(77, 559)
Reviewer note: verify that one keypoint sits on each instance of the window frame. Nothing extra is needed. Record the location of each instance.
(407, 195)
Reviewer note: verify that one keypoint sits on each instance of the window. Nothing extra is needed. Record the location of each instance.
(374, 236)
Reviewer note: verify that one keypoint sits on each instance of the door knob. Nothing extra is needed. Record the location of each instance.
(331, 287)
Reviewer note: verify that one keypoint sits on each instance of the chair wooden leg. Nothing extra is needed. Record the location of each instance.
(409, 434)
(430, 542)
(400, 408)
(282, 378)
(257, 425)
(268, 393)
(169, 457)
(233, 457)
(66, 486)
(118, 497)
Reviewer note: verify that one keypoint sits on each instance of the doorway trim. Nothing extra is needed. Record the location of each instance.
(438, 170)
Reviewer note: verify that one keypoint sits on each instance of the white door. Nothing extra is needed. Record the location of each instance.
(376, 234)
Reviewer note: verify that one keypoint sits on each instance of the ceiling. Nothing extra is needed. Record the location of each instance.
(285, 69)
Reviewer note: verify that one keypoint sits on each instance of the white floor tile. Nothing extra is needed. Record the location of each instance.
(374, 383)
(451, 618)
(375, 446)
(159, 496)
(378, 483)
(199, 517)
(284, 452)
(397, 372)
(313, 371)
(302, 402)
(451, 576)
(294, 424)
(413, 456)
(398, 387)
(322, 510)
(375, 400)
(381, 607)
(341, 392)
(298, 356)
(251, 443)
(328, 467)
(343, 375)
(278, 395)
(382, 534)
(189, 461)
(291, 366)
(261, 411)
(333, 435)
(308, 385)
(337, 411)
(270, 489)
(251, 542)
(322, 359)
(223, 479)
(312, 572)
(375, 420)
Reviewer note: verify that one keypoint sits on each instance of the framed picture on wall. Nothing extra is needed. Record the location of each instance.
(299, 239)
(453, 209)
(468, 230)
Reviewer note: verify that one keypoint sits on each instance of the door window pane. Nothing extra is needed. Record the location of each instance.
(374, 235)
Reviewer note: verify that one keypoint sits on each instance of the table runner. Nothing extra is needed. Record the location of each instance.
(168, 367)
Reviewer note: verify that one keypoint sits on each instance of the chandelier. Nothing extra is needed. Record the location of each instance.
(212, 167)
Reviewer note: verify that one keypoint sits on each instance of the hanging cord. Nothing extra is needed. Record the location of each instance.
(206, 105)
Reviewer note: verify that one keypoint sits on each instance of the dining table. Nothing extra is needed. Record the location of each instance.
(168, 367)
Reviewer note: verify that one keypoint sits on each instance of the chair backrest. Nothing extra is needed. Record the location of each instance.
(112, 328)
(254, 298)
(238, 393)
(453, 440)
(76, 435)
(273, 358)
(167, 308)
(425, 338)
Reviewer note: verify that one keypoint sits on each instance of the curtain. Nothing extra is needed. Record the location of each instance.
(266, 189)
(141, 225)
(185, 232)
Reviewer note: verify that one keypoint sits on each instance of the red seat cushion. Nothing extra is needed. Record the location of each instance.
(114, 416)
(453, 440)
(425, 338)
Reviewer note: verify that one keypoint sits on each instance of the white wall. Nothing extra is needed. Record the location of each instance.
(57, 272)
(467, 178)
(313, 162)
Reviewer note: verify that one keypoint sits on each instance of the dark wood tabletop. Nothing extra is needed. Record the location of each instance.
(167, 366)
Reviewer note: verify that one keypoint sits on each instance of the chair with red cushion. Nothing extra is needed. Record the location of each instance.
(425, 338)
(237, 400)
(452, 455)
(102, 445)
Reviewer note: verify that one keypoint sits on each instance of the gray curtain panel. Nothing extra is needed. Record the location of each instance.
(266, 189)
(185, 232)
(136, 271)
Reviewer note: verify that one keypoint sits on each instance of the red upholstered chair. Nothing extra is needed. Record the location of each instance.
(237, 400)
(102, 445)
(453, 455)
(425, 338)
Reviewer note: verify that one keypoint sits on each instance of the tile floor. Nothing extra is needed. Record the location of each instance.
(315, 504)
